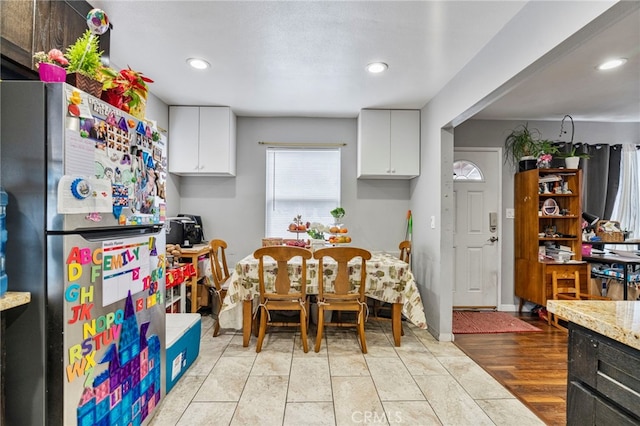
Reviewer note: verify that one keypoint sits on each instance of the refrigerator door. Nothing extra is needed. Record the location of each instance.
(106, 328)
(105, 168)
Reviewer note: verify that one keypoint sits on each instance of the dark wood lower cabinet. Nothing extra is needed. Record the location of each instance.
(603, 380)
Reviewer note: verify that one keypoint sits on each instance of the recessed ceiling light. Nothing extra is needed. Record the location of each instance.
(197, 63)
(614, 63)
(377, 67)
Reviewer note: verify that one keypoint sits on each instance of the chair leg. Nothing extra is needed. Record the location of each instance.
(262, 331)
(216, 328)
(363, 339)
(218, 305)
(376, 307)
(320, 328)
(255, 324)
(303, 330)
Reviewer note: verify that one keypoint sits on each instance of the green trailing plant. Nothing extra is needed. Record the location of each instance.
(525, 142)
(84, 56)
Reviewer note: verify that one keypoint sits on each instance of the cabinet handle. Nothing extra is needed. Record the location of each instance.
(393, 170)
(196, 167)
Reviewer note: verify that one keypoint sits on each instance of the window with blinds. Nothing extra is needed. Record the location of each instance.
(304, 182)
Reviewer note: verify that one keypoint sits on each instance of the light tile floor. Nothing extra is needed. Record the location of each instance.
(423, 382)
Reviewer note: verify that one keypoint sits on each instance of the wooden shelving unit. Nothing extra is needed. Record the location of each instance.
(536, 227)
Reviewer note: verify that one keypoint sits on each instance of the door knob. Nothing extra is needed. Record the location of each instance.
(493, 239)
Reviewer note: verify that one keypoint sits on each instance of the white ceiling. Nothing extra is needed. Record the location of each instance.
(306, 58)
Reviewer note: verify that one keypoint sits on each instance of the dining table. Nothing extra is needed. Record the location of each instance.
(389, 280)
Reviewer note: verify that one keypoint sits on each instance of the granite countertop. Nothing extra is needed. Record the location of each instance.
(618, 320)
(11, 299)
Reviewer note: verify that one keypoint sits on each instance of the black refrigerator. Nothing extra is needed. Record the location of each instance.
(85, 217)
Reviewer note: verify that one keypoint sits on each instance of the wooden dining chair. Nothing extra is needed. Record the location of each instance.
(341, 295)
(285, 295)
(565, 285)
(378, 306)
(405, 251)
(220, 274)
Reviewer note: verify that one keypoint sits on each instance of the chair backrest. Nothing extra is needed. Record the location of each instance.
(282, 255)
(342, 256)
(405, 250)
(218, 260)
(565, 283)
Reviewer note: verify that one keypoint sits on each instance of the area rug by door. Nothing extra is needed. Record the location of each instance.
(473, 322)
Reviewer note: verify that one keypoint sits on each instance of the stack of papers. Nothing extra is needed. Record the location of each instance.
(549, 178)
(561, 254)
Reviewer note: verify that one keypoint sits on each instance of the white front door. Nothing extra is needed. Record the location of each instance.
(477, 189)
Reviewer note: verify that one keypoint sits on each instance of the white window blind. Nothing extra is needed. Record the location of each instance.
(302, 182)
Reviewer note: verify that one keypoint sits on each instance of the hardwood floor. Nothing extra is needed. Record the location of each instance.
(532, 366)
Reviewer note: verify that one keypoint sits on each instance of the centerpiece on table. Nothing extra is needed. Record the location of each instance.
(338, 230)
(51, 66)
(317, 233)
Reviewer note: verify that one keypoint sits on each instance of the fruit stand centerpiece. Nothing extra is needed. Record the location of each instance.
(298, 226)
(338, 231)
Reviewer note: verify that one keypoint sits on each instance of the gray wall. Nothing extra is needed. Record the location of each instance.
(491, 133)
(232, 208)
(507, 60)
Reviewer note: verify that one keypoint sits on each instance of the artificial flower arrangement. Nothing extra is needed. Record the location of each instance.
(126, 89)
(545, 160)
(79, 65)
(51, 66)
(54, 56)
(84, 56)
(317, 230)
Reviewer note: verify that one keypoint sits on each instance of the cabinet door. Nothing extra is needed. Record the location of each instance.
(183, 140)
(29, 26)
(217, 141)
(374, 127)
(16, 22)
(405, 143)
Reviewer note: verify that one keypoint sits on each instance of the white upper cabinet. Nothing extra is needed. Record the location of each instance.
(388, 144)
(202, 141)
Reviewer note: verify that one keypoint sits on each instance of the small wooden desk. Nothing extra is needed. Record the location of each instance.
(192, 254)
(627, 262)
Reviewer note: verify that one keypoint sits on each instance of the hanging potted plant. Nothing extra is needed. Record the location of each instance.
(85, 64)
(51, 65)
(126, 89)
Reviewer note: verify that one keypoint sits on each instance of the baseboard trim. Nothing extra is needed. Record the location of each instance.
(511, 308)
(445, 337)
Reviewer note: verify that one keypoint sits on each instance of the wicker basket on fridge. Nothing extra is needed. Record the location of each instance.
(609, 236)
